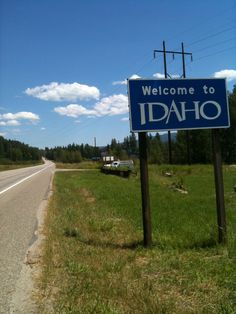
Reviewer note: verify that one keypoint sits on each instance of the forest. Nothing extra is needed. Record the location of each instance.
(12, 151)
(194, 146)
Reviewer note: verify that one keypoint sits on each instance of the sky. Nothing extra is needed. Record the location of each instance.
(64, 63)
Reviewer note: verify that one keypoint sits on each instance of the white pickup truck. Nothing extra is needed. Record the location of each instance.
(121, 163)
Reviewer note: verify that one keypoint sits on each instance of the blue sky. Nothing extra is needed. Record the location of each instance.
(63, 63)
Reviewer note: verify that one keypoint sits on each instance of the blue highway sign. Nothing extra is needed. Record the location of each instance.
(177, 104)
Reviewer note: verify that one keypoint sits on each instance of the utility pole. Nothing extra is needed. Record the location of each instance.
(183, 53)
(166, 76)
(184, 76)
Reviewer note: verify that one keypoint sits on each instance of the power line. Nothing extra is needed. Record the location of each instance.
(214, 45)
(215, 53)
(210, 36)
(144, 65)
(209, 55)
(209, 19)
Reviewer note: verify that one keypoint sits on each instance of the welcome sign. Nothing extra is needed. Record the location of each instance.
(177, 104)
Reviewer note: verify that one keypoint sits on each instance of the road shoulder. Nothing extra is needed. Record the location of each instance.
(23, 300)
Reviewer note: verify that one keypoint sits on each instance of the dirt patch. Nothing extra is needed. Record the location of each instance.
(88, 197)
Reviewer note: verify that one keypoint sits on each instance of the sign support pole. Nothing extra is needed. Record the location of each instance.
(219, 186)
(147, 227)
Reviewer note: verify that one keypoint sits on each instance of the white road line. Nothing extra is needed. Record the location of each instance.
(22, 180)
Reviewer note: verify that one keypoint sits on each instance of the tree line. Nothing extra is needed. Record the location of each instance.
(15, 151)
(200, 141)
(72, 153)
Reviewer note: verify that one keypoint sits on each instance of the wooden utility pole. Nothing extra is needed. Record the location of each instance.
(146, 211)
(219, 186)
(183, 53)
(184, 76)
(166, 76)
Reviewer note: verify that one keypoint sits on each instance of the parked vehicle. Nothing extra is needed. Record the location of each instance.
(129, 164)
(123, 168)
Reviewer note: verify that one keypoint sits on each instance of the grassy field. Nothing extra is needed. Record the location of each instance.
(79, 165)
(94, 261)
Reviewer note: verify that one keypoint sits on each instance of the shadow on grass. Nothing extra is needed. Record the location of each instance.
(74, 233)
(197, 245)
(126, 246)
(203, 244)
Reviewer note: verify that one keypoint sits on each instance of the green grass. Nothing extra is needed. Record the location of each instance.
(80, 165)
(94, 261)
(18, 165)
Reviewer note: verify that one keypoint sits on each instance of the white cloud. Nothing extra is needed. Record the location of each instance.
(12, 119)
(135, 76)
(112, 105)
(125, 119)
(9, 123)
(3, 134)
(74, 111)
(161, 75)
(120, 82)
(229, 74)
(20, 115)
(43, 129)
(124, 82)
(64, 92)
(175, 76)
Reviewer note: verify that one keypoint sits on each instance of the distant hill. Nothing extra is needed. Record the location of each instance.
(164, 137)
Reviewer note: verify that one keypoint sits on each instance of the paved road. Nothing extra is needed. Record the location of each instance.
(21, 192)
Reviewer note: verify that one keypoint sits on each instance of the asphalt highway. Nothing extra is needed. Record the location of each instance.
(21, 193)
